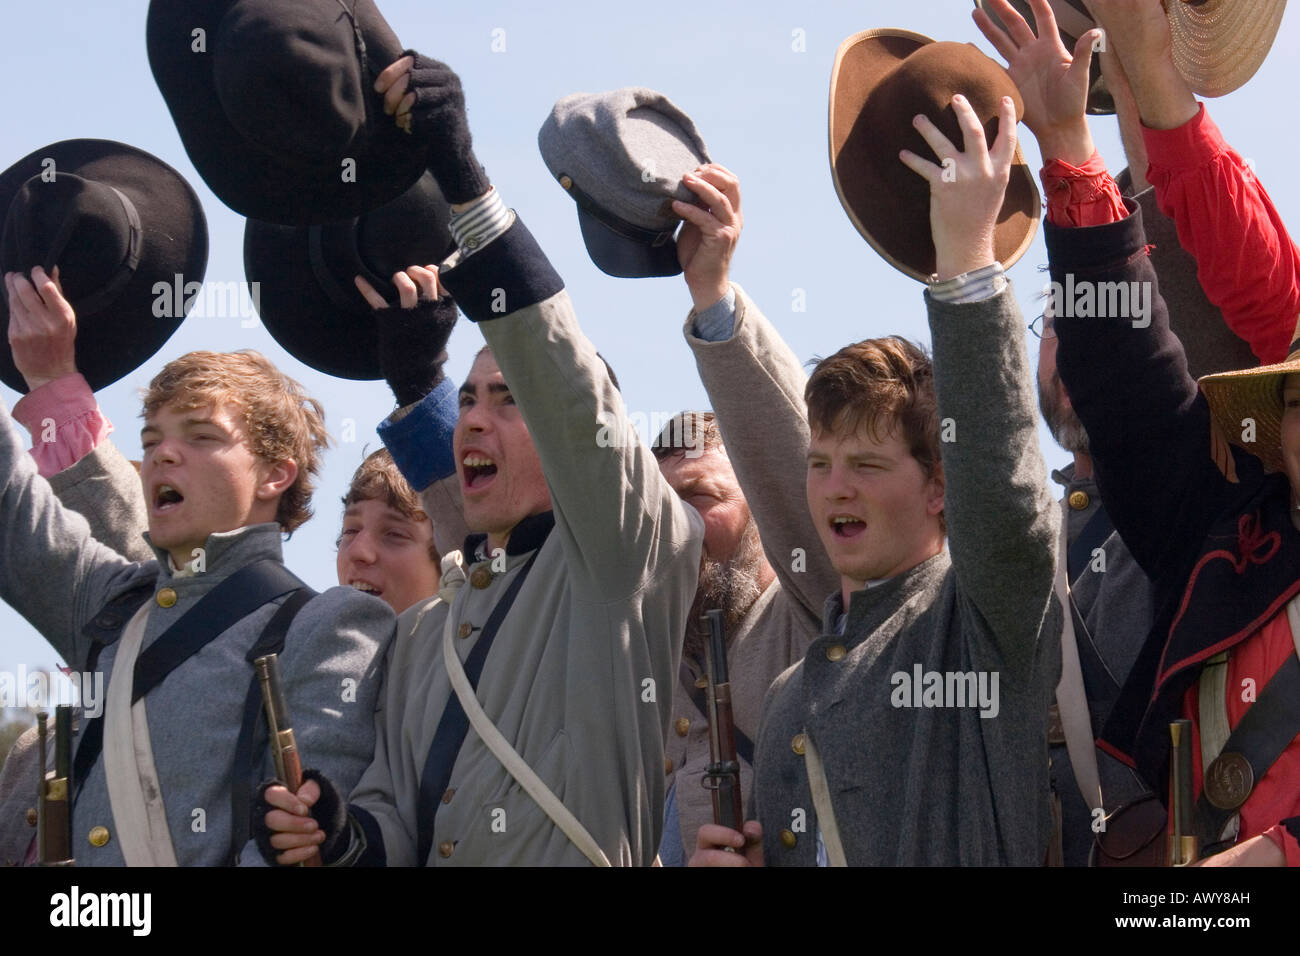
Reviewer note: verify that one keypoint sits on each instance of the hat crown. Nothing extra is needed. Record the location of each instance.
(413, 229)
(289, 78)
(81, 226)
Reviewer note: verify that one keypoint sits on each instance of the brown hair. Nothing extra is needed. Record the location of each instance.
(378, 479)
(878, 385)
(282, 420)
(687, 432)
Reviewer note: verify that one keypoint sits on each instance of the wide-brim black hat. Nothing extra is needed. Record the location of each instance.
(117, 222)
(301, 277)
(275, 104)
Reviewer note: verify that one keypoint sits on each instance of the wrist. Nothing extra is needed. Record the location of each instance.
(1164, 99)
(1072, 144)
(707, 296)
(951, 265)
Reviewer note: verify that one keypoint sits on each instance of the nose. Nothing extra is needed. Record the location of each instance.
(166, 452)
(476, 417)
(837, 486)
(361, 547)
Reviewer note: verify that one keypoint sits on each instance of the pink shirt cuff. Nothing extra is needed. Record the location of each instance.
(65, 423)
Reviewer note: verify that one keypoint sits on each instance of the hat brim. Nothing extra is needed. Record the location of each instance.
(902, 235)
(1218, 46)
(625, 258)
(1249, 397)
(117, 339)
(251, 181)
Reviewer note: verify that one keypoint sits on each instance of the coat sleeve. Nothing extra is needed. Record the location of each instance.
(104, 488)
(1002, 522)
(52, 571)
(755, 384)
(620, 522)
(1148, 427)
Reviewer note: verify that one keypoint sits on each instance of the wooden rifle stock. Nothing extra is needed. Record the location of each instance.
(1183, 848)
(54, 816)
(284, 750)
(722, 775)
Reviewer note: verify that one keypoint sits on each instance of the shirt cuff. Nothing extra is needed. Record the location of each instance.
(718, 321)
(1194, 144)
(68, 407)
(1284, 836)
(983, 283)
(419, 436)
(1081, 195)
(479, 223)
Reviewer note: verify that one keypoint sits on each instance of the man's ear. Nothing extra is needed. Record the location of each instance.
(934, 488)
(278, 479)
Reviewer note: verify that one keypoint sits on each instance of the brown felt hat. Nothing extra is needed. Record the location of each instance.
(881, 80)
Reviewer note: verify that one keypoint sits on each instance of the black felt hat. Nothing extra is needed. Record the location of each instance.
(116, 221)
(275, 103)
(301, 277)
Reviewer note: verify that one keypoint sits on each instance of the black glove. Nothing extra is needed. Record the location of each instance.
(329, 812)
(413, 346)
(438, 119)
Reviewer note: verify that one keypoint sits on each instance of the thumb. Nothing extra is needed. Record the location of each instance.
(1083, 56)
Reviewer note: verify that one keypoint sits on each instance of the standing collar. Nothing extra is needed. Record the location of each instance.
(528, 535)
(230, 549)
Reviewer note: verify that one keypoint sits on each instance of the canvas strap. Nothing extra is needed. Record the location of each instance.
(1071, 698)
(821, 795)
(134, 793)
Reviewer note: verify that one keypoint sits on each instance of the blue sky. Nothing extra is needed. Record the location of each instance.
(77, 68)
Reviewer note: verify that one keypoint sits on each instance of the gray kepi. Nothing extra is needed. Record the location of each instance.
(621, 156)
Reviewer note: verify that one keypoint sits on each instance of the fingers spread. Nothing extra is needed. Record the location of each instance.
(1004, 149)
(922, 167)
(1015, 24)
(995, 35)
(941, 145)
(971, 129)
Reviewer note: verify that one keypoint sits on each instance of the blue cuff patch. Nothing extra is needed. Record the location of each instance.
(420, 443)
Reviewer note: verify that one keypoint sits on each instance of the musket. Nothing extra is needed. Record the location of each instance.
(1183, 848)
(53, 814)
(284, 750)
(722, 775)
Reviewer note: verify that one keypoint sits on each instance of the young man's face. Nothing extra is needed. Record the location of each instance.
(875, 509)
(708, 482)
(387, 554)
(501, 480)
(200, 476)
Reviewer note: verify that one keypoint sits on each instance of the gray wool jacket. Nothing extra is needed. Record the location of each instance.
(580, 675)
(54, 573)
(938, 784)
(755, 384)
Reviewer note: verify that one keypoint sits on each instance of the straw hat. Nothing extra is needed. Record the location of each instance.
(1219, 44)
(1252, 393)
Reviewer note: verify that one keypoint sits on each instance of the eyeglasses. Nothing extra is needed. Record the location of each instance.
(1043, 327)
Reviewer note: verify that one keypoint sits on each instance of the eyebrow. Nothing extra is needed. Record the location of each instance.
(188, 423)
(493, 388)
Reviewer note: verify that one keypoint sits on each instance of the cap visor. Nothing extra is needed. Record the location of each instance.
(625, 258)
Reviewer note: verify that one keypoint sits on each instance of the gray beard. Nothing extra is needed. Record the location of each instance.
(1061, 420)
(730, 586)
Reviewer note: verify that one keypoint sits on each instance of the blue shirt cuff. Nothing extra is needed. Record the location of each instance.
(718, 321)
(420, 441)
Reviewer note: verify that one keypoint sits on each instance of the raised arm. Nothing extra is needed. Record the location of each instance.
(755, 385)
(1002, 522)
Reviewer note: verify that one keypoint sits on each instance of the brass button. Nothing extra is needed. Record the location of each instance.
(566, 182)
(448, 794)
(481, 577)
(797, 743)
(31, 817)
(701, 682)
(1079, 500)
(98, 836)
(466, 629)
(166, 597)
(668, 765)
(787, 839)
(445, 848)
(683, 725)
(835, 652)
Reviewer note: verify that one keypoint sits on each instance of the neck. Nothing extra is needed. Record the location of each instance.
(1082, 464)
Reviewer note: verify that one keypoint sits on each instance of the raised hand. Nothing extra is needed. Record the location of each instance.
(1052, 80)
(708, 236)
(42, 327)
(966, 196)
(412, 334)
(425, 98)
(1138, 30)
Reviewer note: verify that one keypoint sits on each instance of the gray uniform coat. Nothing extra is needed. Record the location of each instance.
(755, 384)
(938, 785)
(580, 676)
(60, 579)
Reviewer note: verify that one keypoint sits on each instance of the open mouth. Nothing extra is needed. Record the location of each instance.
(846, 526)
(479, 471)
(166, 498)
(367, 587)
